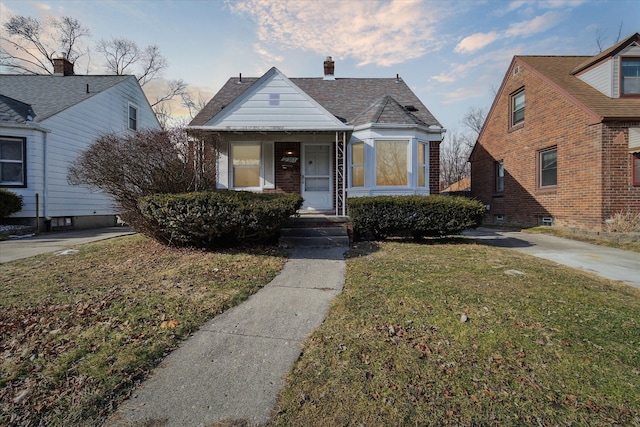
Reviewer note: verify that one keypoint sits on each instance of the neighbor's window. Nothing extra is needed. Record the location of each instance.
(133, 118)
(548, 162)
(635, 159)
(13, 161)
(630, 76)
(422, 164)
(245, 159)
(391, 163)
(517, 108)
(357, 164)
(499, 174)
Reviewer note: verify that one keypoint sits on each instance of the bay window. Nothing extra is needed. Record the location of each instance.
(391, 163)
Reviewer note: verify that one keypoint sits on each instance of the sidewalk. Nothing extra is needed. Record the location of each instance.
(14, 249)
(233, 368)
(611, 263)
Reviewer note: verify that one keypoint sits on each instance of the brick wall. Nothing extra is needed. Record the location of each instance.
(434, 167)
(584, 196)
(287, 175)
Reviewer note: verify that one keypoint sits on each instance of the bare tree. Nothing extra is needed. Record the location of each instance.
(454, 153)
(194, 105)
(474, 119)
(600, 37)
(29, 45)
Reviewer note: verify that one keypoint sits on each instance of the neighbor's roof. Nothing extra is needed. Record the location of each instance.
(14, 111)
(463, 185)
(346, 98)
(558, 70)
(49, 95)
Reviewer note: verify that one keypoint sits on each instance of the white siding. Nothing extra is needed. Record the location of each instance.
(73, 130)
(601, 77)
(275, 104)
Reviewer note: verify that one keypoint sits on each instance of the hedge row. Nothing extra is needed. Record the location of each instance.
(218, 218)
(417, 216)
(10, 203)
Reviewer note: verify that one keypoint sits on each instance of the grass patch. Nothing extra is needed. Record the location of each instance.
(79, 331)
(584, 237)
(551, 346)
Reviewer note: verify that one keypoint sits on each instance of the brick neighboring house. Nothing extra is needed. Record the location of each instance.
(561, 143)
(326, 138)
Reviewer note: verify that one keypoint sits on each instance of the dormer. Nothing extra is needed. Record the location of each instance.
(616, 71)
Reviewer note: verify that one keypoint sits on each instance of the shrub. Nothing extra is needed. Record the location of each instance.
(623, 222)
(417, 216)
(10, 203)
(143, 163)
(220, 218)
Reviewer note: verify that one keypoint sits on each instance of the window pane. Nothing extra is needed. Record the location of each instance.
(11, 150)
(316, 184)
(391, 163)
(11, 172)
(518, 108)
(357, 176)
(499, 176)
(246, 177)
(630, 75)
(246, 165)
(421, 176)
(133, 118)
(636, 168)
(549, 164)
(357, 154)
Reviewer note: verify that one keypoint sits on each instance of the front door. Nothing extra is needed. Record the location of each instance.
(316, 177)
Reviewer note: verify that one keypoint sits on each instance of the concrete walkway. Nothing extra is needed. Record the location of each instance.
(14, 249)
(614, 264)
(233, 368)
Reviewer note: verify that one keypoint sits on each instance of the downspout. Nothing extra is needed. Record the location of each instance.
(336, 175)
(45, 189)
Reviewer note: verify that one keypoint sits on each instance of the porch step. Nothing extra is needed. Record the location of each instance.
(315, 231)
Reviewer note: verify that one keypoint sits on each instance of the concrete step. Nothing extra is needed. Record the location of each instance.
(314, 242)
(313, 232)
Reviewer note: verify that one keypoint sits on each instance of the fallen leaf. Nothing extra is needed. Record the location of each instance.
(169, 324)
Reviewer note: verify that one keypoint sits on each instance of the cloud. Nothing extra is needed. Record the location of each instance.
(536, 25)
(475, 42)
(371, 32)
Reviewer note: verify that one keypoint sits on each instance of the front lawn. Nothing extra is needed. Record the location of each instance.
(78, 331)
(457, 333)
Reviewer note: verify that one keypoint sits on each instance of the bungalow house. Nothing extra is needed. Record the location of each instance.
(561, 143)
(45, 122)
(325, 138)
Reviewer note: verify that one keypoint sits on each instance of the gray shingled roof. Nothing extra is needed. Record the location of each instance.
(388, 110)
(14, 111)
(345, 98)
(49, 95)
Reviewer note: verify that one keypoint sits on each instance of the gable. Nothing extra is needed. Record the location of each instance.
(274, 103)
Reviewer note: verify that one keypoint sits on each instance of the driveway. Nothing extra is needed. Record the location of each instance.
(614, 264)
(13, 249)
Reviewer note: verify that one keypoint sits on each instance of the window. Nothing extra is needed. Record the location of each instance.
(245, 159)
(391, 163)
(635, 166)
(548, 163)
(422, 164)
(13, 161)
(133, 118)
(357, 165)
(630, 76)
(499, 174)
(517, 108)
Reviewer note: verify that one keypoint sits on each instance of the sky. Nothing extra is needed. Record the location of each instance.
(453, 54)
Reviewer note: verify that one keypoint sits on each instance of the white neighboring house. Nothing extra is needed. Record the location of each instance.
(46, 121)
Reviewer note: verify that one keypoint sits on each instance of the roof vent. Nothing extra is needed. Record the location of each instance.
(516, 70)
(240, 82)
(410, 108)
(398, 79)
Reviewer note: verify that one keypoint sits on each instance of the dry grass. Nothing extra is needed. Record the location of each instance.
(541, 345)
(79, 331)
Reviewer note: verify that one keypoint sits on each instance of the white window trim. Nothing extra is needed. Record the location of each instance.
(363, 164)
(23, 145)
(231, 168)
(375, 163)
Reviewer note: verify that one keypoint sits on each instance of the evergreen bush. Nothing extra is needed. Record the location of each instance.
(418, 216)
(10, 203)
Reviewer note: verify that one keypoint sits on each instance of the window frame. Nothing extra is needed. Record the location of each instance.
(512, 108)
(406, 143)
(423, 163)
(23, 143)
(540, 171)
(635, 177)
(621, 90)
(499, 176)
(354, 165)
(233, 167)
(130, 119)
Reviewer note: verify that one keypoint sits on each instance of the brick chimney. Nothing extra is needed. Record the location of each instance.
(329, 67)
(62, 66)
